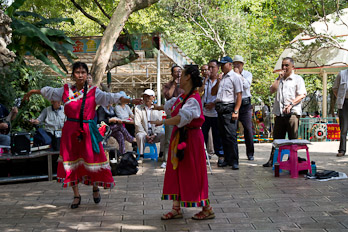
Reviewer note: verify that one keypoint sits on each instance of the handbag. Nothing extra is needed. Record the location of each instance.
(245, 101)
(224, 108)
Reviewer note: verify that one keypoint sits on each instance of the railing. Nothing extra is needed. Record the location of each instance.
(319, 129)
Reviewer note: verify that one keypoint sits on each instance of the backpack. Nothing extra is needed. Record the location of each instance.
(127, 165)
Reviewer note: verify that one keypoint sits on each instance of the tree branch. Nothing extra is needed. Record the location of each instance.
(101, 9)
(88, 15)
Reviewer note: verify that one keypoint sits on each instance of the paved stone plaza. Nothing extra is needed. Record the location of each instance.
(249, 199)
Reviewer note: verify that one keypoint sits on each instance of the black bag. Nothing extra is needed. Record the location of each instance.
(128, 164)
(326, 174)
(41, 138)
(224, 108)
(20, 143)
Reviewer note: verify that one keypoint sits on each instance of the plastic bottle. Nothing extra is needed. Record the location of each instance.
(276, 169)
(313, 167)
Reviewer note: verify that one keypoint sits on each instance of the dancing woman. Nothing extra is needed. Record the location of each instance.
(82, 158)
(186, 180)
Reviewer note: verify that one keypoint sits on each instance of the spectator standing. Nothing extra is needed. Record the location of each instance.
(228, 93)
(144, 130)
(340, 90)
(209, 112)
(245, 111)
(290, 90)
(170, 90)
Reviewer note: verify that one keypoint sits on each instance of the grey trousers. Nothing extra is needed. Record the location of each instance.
(141, 139)
(343, 116)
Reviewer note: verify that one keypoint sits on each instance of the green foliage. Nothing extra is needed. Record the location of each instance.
(37, 38)
(17, 80)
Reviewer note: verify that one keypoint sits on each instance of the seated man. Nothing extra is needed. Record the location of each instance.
(144, 131)
(51, 117)
(5, 119)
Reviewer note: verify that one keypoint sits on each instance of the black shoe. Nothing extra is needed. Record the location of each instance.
(251, 158)
(74, 206)
(235, 167)
(223, 164)
(96, 199)
(220, 161)
(268, 164)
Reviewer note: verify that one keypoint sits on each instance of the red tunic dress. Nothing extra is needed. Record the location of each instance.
(188, 183)
(77, 162)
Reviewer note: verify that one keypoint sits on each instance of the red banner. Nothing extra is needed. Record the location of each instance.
(333, 131)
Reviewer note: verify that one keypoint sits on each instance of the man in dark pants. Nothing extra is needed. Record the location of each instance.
(290, 90)
(245, 111)
(209, 112)
(340, 90)
(228, 93)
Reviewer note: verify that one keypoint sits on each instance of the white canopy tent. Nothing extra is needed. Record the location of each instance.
(323, 51)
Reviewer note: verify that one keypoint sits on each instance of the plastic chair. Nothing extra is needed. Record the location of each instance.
(292, 163)
(275, 156)
(152, 154)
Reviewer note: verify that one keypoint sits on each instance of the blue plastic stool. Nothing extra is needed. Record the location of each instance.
(275, 156)
(152, 154)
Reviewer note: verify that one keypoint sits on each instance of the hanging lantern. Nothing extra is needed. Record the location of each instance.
(108, 78)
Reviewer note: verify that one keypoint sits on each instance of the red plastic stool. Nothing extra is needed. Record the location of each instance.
(292, 164)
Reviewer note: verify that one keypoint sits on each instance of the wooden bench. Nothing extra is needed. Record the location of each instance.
(33, 155)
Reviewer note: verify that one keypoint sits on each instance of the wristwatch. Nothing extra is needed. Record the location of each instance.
(236, 112)
(291, 103)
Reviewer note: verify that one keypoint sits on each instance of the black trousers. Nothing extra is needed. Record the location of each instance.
(342, 115)
(212, 122)
(228, 132)
(245, 117)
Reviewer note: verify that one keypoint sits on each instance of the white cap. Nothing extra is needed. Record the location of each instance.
(149, 92)
(238, 58)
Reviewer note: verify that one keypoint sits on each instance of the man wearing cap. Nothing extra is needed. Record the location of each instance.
(228, 93)
(170, 90)
(145, 131)
(290, 90)
(245, 111)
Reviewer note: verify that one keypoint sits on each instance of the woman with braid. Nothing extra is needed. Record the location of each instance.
(186, 180)
(82, 158)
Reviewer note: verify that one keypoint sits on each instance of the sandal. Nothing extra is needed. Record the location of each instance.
(174, 214)
(204, 214)
(96, 199)
(74, 206)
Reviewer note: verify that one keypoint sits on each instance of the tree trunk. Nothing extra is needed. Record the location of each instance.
(112, 32)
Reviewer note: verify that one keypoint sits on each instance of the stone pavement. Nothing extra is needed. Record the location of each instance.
(249, 199)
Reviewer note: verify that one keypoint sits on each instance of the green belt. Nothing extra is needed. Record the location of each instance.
(96, 138)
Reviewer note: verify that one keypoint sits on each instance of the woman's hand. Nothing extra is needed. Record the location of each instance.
(137, 101)
(31, 92)
(115, 120)
(157, 123)
(156, 107)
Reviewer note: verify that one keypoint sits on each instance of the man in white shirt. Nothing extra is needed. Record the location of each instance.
(145, 131)
(290, 90)
(228, 100)
(245, 111)
(340, 89)
(209, 112)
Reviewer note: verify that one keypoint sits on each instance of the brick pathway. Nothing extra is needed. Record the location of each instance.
(249, 199)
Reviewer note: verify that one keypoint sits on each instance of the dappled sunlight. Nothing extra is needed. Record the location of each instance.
(40, 207)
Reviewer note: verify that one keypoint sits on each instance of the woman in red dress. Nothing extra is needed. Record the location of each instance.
(82, 158)
(186, 180)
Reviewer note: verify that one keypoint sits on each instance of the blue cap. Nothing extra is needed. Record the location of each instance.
(225, 60)
(124, 94)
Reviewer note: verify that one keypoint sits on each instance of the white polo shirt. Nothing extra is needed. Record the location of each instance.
(230, 85)
(287, 91)
(247, 78)
(207, 98)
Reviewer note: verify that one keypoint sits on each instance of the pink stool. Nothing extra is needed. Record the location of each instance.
(292, 164)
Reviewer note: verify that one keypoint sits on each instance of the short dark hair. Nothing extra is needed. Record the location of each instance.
(79, 64)
(173, 67)
(214, 61)
(289, 59)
